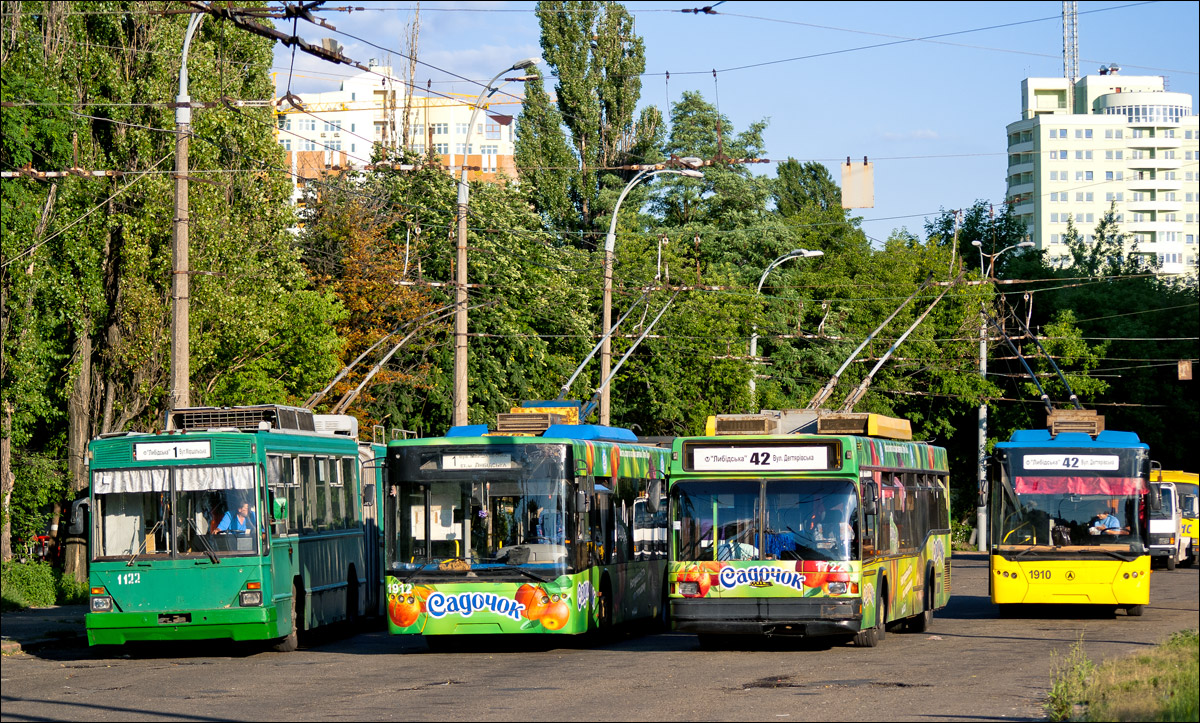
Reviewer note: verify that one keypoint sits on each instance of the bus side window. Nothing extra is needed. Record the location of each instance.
(352, 487)
(320, 507)
(280, 478)
(308, 482)
(336, 500)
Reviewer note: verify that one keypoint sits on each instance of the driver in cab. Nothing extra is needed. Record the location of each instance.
(1106, 524)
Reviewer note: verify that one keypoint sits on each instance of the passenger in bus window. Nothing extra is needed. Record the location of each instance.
(240, 520)
(1106, 524)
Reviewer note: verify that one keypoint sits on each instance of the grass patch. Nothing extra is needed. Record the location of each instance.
(1158, 685)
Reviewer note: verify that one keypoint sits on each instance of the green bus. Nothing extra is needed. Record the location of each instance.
(242, 523)
(807, 524)
(539, 527)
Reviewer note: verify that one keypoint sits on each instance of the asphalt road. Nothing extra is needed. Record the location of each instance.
(973, 665)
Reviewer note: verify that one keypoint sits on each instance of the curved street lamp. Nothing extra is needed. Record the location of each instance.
(981, 520)
(610, 242)
(460, 292)
(793, 254)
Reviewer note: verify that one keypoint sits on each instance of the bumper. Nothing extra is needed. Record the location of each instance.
(117, 628)
(768, 616)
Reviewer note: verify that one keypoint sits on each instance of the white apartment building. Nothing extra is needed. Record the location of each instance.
(1113, 138)
(339, 129)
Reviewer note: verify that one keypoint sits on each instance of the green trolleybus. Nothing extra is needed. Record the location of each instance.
(1069, 515)
(241, 523)
(539, 527)
(807, 524)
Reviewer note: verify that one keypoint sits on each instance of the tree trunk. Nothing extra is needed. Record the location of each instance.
(78, 433)
(7, 480)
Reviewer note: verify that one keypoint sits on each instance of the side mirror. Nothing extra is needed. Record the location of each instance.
(870, 493)
(653, 496)
(279, 509)
(79, 517)
(368, 495)
(1155, 495)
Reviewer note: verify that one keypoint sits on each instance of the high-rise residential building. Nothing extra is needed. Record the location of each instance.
(339, 129)
(1112, 139)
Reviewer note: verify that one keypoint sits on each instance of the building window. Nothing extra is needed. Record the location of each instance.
(1053, 238)
(440, 129)
(442, 148)
(490, 150)
(460, 129)
(286, 143)
(309, 145)
(1089, 194)
(419, 148)
(1087, 176)
(1190, 238)
(461, 148)
(493, 132)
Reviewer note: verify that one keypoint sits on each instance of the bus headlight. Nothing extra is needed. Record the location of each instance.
(688, 588)
(837, 588)
(102, 604)
(250, 598)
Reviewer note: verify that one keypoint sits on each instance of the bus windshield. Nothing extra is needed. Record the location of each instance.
(787, 519)
(489, 511)
(1081, 513)
(156, 512)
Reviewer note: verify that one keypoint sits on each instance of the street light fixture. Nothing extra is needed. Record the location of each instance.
(460, 293)
(610, 242)
(981, 520)
(793, 254)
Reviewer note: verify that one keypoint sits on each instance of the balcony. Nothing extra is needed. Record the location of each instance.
(1020, 168)
(1022, 147)
(1019, 188)
(1153, 205)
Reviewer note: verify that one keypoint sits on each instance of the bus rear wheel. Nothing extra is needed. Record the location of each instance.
(923, 622)
(1135, 611)
(1171, 561)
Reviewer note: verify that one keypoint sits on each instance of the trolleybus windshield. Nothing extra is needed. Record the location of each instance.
(776, 519)
(480, 511)
(1080, 502)
(176, 511)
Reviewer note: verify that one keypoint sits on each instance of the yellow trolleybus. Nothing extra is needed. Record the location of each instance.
(1068, 516)
(775, 531)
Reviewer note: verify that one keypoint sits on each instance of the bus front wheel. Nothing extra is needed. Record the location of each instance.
(870, 637)
(1135, 611)
(291, 641)
(1171, 561)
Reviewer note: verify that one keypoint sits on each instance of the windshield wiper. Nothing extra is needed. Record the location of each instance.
(212, 555)
(413, 574)
(133, 558)
(532, 575)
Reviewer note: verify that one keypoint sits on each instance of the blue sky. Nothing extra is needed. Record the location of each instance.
(929, 113)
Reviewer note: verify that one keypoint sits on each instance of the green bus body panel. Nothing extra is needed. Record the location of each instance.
(208, 591)
(903, 574)
(257, 623)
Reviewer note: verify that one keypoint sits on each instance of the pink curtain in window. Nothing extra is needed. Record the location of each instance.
(1058, 485)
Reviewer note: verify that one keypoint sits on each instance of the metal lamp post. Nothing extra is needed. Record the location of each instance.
(793, 254)
(981, 521)
(609, 243)
(460, 293)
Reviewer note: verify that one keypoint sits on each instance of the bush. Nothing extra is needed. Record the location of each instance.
(69, 591)
(960, 535)
(27, 584)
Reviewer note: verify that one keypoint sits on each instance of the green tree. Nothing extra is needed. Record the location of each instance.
(87, 302)
(598, 60)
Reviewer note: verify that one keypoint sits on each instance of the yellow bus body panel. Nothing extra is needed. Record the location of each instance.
(1078, 582)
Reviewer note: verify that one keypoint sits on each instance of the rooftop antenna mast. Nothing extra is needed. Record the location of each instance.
(1070, 50)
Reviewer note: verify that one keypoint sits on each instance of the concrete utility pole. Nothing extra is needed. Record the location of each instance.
(460, 293)
(180, 348)
(981, 516)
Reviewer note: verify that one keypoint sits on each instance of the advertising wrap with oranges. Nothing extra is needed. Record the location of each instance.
(563, 605)
(773, 578)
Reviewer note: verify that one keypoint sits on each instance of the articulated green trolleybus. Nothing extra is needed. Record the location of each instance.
(539, 527)
(833, 533)
(242, 523)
